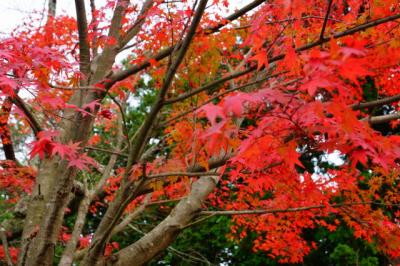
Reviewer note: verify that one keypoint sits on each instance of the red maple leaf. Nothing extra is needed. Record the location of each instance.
(261, 58)
(44, 145)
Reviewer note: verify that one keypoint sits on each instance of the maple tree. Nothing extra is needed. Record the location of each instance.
(236, 116)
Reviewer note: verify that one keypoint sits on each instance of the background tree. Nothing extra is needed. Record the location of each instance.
(210, 116)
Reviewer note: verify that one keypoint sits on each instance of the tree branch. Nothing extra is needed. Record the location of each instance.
(383, 101)
(5, 132)
(84, 51)
(235, 15)
(139, 140)
(208, 86)
(164, 233)
(3, 237)
(196, 168)
(164, 201)
(33, 122)
(68, 254)
(51, 13)
(135, 28)
(380, 119)
(129, 189)
(155, 176)
(117, 19)
(305, 208)
(131, 216)
(219, 95)
(95, 192)
(123, 118)
(80, 88)
(93, 21)
(106, 151)
(289, 20)
(321, 36)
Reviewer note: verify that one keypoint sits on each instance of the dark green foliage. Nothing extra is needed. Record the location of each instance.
(207, 244)
(343, 255)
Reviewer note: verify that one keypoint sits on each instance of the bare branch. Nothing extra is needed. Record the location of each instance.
(75, 88)
(235, 15)
(96, 191)
(123, 118)
(33, 122)
(128, 190)
(196, 168)
(135, 28)
(164, 233)
(131, 216)
(375, 120)
(51, 9)
(84, 52)
(106, 151)
(383, 101)
(180, 254)
(164, 201)
(155, 176)
(117, 19)
(93, 22)
(305, 208)
(68, 254)
(321, 36)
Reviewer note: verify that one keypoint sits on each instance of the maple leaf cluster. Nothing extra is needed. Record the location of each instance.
(257, 104)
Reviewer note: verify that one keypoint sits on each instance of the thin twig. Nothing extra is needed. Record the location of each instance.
(182, 174)
(124, 121)
(177, 117)
(199, 220)
(164, 201)
(288, 20)
(321, 36)
(74, 88)
(305, 208)
(106, 151)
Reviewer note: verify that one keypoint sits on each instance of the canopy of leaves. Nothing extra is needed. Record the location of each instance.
(283, 116)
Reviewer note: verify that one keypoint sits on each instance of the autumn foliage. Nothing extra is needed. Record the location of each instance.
(283, 115)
